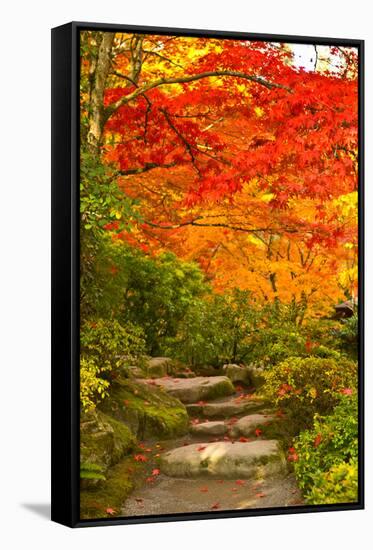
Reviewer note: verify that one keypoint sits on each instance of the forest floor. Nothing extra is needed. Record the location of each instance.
(235, 487)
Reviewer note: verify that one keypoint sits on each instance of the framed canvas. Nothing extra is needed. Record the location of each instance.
(207, 274)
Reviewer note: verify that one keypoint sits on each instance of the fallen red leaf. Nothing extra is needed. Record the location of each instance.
(244, 439)
(215, 506)
(293, 457)
(240, 482)
(204, 489)
(260, 495)
(156, 472)
(140, 458)
(110, 511)
(201, 448)
(258, 432)
(150, 479)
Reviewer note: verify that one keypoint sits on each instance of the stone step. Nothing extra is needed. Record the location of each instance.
(225, 460)
(225, 408)
(247, 424)
(191, 390)
(218, 427)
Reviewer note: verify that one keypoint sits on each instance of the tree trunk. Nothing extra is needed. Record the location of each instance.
(96, 116)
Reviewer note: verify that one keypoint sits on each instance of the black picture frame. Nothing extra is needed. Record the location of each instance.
(65, 273)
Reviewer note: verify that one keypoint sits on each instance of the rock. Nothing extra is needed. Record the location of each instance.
(159, 366)
(103, 440)
(247, 424)
(224, 408)
(225, 460)
(133, 372)
(208, 370)
(256, 376)
(209, 428)
(200, 388)
(236, 373)
(146, 409)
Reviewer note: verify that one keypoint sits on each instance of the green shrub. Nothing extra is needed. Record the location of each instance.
(304, 387)
(158, 293)
(271, 345)
(93, 388)
(216, 330)
(327, 455)
(104, 346)
(348, 336)
(339, 485)
(109, 342)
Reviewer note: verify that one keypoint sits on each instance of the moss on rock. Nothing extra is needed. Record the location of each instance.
(146, 410)
(104, 440)
(110, 495)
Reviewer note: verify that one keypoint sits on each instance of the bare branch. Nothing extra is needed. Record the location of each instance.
(196, 223)
(147, 166)
(188, 146)
(191, 78)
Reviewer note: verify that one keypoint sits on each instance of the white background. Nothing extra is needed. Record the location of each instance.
(25, 268)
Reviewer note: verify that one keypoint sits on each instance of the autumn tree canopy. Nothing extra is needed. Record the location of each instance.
(229, 154)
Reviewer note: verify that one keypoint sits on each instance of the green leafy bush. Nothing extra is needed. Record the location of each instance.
(93, 388)
(271, 345)
(157, 294)
(348, 336)
(104, 346)
(306, 386)
(327, 455)
(339, 485)
(216, 330)
(109, 342)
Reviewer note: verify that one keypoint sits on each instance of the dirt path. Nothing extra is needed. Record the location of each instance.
(172, 495)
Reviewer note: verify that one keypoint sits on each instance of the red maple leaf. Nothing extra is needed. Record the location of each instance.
(140, 458)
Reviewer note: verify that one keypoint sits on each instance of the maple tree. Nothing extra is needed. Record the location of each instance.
(231, 156)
